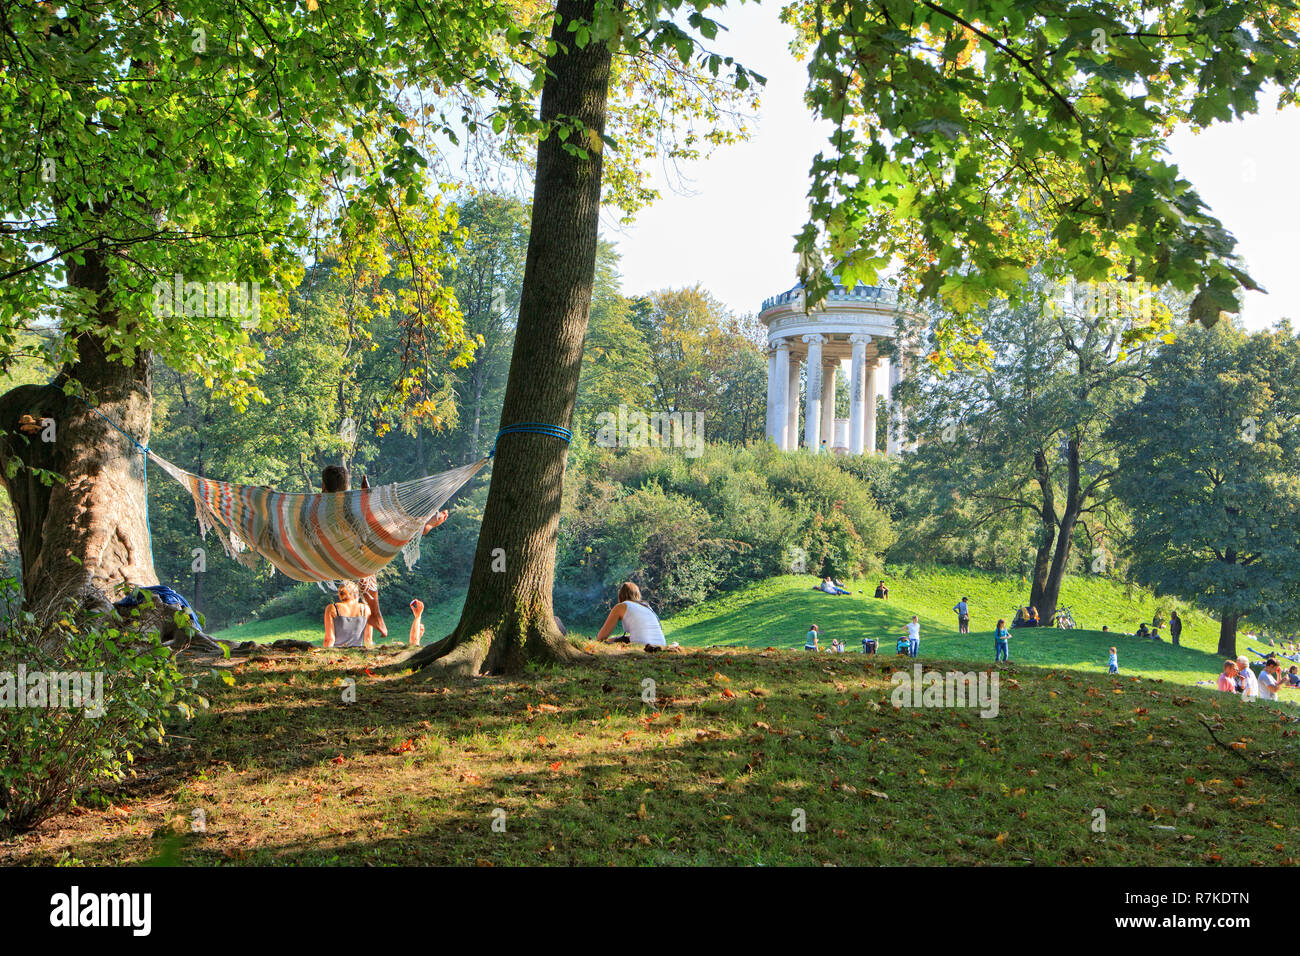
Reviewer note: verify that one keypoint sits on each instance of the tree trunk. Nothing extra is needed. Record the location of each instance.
(1228, 637)
(85, 534)
(508, 617)
(1064, 538)
(1043, 558)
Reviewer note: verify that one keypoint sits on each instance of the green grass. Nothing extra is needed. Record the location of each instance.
(737, 746)
(779, 611)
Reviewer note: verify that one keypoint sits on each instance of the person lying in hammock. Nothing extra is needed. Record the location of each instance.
(347, 620)
(336, 478)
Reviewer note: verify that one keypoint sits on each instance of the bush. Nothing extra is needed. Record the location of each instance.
(685, 528)
(49, 754)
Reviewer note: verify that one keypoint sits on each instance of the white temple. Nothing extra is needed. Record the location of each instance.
(848, 327)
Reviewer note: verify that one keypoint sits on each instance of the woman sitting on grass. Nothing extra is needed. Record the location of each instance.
(347, 620)
(640, 624)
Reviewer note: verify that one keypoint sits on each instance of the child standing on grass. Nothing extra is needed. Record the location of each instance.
(1000, 637)
(1114, 661)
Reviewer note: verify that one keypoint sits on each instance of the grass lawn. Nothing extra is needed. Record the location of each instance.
(779, 611)
(737, 746)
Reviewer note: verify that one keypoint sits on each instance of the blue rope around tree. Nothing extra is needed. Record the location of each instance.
(532, 428)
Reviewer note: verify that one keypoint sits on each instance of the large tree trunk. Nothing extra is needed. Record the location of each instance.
(1228, 637)
(1047, 536)
(1064, 538)
(85, 534)
(508, 617)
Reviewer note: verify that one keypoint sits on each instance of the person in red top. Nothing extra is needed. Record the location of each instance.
(1228, 679)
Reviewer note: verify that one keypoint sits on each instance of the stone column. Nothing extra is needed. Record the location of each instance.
(828, 403)
(792, 406)
(869, 405)
(857, 391)
(779, 403)
(895, 445)
(812, 436)
(769, 429)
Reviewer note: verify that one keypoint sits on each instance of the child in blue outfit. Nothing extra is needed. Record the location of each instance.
(1000, 637)
(1114, 661)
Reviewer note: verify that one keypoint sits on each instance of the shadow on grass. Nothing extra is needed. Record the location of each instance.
(579, 770)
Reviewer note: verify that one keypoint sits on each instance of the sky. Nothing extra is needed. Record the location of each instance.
(731, 228)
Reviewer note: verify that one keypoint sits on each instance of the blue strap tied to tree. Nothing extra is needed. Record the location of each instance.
(532, 428)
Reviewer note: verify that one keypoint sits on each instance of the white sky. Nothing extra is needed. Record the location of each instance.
(733, 232)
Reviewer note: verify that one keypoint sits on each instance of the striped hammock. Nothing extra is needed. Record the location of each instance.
(332, 536)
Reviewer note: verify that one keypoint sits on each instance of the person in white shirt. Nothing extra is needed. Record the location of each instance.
(914, 636)
(1269, 678)
(1249, 683)
(640, 624)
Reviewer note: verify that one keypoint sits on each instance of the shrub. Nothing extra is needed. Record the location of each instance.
(49, 754)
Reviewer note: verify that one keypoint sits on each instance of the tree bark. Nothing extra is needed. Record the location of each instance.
(1228, 637)
(508, 617)
(1064, 537)
(1047, 514)
(87, 533)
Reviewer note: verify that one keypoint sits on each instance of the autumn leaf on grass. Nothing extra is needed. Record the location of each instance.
(404, 747)
(640, 813)
(338, 759)
(728, 693)
(556, 765)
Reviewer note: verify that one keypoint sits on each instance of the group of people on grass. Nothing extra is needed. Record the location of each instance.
(1238, 678)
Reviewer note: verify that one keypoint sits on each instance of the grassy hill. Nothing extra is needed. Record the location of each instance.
(737, 748)
(777, 613)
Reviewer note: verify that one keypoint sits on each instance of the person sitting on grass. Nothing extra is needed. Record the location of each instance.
(348, 621)
(1293, 676)
(417, 627)
(1247, 682)
(335, 478)
(829, 586)
(882, 591)
(1270, 678)
(640, 624)
(1228, 679)
(810, 642)
(1001, 635)
(1142, 630)
(869, 646)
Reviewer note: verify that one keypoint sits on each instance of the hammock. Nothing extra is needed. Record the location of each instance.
(332, 536)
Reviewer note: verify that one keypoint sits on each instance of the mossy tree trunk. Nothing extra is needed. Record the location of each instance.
(508, 618)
